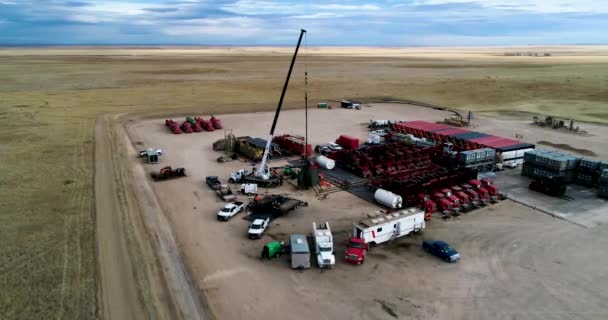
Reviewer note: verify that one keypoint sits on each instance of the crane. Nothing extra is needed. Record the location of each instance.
(263, 171)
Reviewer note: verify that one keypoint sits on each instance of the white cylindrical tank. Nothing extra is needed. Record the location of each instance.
(326, 162)
(388, 198)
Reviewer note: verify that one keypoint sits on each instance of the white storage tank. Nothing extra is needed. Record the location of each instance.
(326, 162)
(388, 198)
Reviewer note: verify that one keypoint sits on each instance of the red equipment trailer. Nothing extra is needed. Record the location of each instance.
(175, 129)
(348, 142)
(215, 122)
(196, 127)
(186, 127)
(294, 144)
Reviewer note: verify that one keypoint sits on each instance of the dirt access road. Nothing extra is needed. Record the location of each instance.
(517, 263)
(140, 273)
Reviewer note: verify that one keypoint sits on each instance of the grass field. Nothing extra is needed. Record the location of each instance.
(49, 102)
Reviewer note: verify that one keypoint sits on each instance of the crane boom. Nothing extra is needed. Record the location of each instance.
(262, 170)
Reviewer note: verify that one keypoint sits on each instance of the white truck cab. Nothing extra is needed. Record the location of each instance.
(324, 246)
(257, 228)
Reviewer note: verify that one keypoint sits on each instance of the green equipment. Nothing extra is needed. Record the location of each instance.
(273, 249)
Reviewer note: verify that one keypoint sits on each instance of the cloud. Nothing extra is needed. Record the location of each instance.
(541, 6)
(77, 4)
(349, 22)
(160, 10)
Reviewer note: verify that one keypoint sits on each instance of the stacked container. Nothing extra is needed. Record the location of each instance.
(588, 173)
(549, 164)
(476, 158)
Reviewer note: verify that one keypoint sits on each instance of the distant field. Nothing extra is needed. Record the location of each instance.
(49, 99)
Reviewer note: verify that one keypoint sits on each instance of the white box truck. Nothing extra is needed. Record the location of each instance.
(300, 253)
(388, 226)
(324, 245)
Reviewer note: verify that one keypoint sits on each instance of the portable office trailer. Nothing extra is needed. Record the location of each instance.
(300, 252)
(386, 227)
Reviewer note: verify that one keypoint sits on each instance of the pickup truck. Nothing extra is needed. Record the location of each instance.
(441, 250)
(213, 182)
(230, 210)
(257, 228)
(225, 193)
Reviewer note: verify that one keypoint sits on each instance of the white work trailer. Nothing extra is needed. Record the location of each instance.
(388, 226)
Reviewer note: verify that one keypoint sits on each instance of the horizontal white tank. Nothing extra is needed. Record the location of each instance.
(326, 162)
(388, 198)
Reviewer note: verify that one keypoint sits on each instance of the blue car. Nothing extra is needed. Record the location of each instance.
(441, 249)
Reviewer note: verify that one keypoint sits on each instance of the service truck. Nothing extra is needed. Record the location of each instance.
(388, 226)
(324, 245)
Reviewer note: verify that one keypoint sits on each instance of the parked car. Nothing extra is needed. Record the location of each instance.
(257, 228)
(213, 182)
(230, 210)
(441, 249)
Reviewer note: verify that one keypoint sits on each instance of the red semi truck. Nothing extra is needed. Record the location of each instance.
(492, 189)
(456, 204)
(473, 196)
(444, 204)
(464, 198)
(484, 195)
(355, 251)
(429, 206)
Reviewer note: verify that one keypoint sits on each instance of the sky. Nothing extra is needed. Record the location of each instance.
(275, 22)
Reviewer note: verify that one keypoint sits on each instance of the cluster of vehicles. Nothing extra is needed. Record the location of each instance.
(459, 198)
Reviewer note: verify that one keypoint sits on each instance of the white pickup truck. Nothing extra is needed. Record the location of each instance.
(230, 210)
(324, 245)
(257, 228)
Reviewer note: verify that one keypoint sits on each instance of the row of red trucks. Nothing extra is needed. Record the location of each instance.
(196, 124)
(458, 198)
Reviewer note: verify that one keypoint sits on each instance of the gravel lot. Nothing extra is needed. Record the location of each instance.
(517, 263)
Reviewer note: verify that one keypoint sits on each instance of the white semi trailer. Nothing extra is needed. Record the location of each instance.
(324, 245)
(388, 226)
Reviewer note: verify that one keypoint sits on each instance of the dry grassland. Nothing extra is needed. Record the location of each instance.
(49, 99)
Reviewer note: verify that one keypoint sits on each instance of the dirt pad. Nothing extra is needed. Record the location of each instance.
(516, 263)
